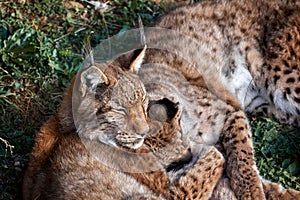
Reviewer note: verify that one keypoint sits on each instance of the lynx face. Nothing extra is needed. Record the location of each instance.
(126, 112)
(110, 104)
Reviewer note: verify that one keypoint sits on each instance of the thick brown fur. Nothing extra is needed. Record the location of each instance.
(64, 166)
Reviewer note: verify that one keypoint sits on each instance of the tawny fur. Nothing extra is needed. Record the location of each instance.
(251, 64)
(64, 166)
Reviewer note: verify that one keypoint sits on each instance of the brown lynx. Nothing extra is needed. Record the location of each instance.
(96, 166)
(63, 167)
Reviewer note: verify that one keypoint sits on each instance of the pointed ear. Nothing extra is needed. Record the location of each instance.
(90, 78)
(137, 62)
(142, 32)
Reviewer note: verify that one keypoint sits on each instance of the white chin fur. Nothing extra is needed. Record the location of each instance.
(136, 145)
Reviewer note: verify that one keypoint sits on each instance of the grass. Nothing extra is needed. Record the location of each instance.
(277, 152)
(41, 46)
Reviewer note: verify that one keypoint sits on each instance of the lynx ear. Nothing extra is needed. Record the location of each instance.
(136, 64)
(90, 78)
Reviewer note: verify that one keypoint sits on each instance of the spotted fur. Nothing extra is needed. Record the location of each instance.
(66, 166)
(249, 52)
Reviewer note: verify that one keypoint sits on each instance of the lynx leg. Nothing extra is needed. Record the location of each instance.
(282, 71)
(241, 168)
(199, 181)
(274, 191)
(223, 191)
(157, 181)
(269, 110)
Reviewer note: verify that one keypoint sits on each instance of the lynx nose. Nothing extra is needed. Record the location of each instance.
(139, 126)
(138, 122)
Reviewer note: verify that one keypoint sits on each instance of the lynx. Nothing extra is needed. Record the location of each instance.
(63, 167)
(182, 165)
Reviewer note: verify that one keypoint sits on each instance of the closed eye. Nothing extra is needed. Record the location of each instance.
(120, 110)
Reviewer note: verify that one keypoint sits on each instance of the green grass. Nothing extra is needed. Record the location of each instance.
(277, 152)
(41, 46)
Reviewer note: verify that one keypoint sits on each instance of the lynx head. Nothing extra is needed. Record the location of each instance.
(110, 102)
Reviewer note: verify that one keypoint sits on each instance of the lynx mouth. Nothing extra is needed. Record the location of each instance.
(132, 142)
